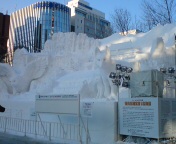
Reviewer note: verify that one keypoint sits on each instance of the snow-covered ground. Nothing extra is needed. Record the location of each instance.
(77, 64)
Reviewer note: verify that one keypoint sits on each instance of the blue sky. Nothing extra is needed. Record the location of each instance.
(106, 6)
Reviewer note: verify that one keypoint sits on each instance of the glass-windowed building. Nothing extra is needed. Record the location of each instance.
(85, 19)
(31, 26)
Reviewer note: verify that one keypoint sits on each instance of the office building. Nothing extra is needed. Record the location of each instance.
(85, 19)
(31, 26)
(4, 34)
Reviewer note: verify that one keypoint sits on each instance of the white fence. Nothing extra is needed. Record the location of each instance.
(51, 130)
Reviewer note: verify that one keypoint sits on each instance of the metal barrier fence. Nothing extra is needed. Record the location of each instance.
(40, 128)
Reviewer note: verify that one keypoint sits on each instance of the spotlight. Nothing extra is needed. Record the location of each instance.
(129, 70)
(118, 67)
(116, 82)
(171, 70)
(2, 109)
(123, 69)
(112, 75)
(127, 77)
(120, 76)
(163, 70)
(125, 84)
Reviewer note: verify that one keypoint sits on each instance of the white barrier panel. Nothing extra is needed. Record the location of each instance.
(60, 104)
(167, 117)
(148, 117)
(102, 124)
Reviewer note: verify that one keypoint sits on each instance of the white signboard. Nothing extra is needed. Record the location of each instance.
(60, 104)
(87, 109)
(139, 117)
(148, 117)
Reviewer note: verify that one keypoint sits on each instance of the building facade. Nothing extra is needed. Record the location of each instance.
(31, 26)
(85, 19)
(4, 35)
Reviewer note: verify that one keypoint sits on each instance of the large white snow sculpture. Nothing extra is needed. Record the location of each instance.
(19, 77)
(86, 61)
(74, 61)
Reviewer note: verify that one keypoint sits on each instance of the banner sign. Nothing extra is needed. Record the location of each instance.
(59, 104)
(56, 97)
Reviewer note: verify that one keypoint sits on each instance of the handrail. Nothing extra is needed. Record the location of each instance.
(45, 129)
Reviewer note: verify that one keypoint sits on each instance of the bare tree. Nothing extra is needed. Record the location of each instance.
(121, 20)
(158, 12)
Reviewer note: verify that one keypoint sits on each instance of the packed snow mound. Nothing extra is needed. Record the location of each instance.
(144, 51)
(71, 63)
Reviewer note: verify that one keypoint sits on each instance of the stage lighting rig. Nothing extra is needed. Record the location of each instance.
(121, 76)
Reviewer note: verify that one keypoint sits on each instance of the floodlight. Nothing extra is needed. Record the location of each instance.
(125, 84)
(123, 69)
(171, 70)
(163, 70)
(120, 76)
(129, 70)
(116, 82)
(2, 109)
(127, 77)
(112, 75)
(118, 67)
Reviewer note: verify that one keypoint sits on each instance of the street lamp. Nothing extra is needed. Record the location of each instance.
(120, 78)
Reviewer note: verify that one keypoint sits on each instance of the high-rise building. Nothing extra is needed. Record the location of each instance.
(31, 26)
(4, 35)
(85, 19)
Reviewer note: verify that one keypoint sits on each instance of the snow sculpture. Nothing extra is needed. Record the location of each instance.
(72, 62)
(156, 58)
(19, 77)
(5, 73)
(89, 84)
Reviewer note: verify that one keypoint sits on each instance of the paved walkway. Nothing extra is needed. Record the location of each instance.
(6, 138)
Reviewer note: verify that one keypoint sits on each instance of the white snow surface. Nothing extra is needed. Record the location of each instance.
(77, 64)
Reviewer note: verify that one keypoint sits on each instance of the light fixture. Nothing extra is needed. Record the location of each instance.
(129, 70)
(163, 70)
(120, 76)
(171, 70)
(125, 84)
(112, 75)
(116, 82)
(127, 77)
(123, 69)
(2, 109)
(118, 67)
